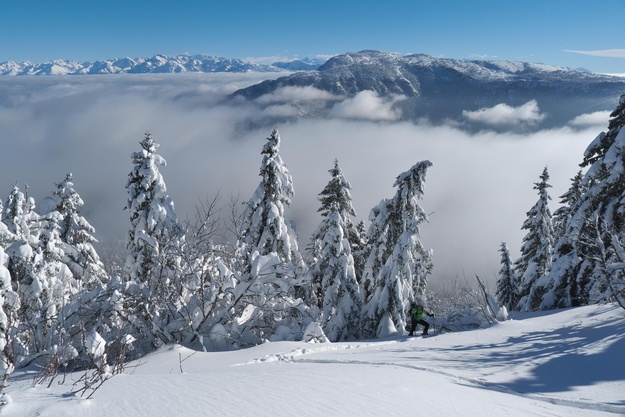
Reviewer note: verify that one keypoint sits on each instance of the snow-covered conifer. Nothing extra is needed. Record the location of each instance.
(397, 264)
(77, 235)
(591, 240)
(536, 251)
(507, 284)
(341, 300)
(336, 194)
(154, 226)
(15, 214)
(43, 285)
(335, 198)
(53, 282)
(155, 242)
(338, 191)
(265, 228)
(271, 265)
(562, 287)
(332, 272)
(562, 215)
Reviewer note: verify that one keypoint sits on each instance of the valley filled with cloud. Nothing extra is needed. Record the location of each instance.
(478, 190)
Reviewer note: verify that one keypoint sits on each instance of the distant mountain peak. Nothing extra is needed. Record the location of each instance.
(442, 89)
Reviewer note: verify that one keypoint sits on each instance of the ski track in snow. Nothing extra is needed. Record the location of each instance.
(297, 356)
(456, 378)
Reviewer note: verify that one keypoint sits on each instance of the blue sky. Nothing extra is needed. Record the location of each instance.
(538, 31)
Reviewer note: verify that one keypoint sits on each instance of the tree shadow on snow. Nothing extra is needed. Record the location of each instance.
(562, 359)
(572, 357)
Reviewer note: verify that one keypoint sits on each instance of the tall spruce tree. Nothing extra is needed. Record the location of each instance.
(338, 191)
(154, 262)
(341, 302)
(265, 229)
(77, 235)
(334, 198)
(507, 283)
(332, 271)
(38, 278)
(536, 251)
(52, 287)
(562, 216)
(397, 263)
(19, 215)
(562, 287)
(154, 227)
(272, 267)
(595, 229)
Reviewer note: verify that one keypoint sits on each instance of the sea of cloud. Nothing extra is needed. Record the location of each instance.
(478, 190)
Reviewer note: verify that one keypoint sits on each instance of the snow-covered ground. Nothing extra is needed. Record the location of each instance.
(562, 363)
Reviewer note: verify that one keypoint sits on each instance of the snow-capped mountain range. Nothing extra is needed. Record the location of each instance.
(440, 89)
(417, 86)
(424, 75)
(156, 64)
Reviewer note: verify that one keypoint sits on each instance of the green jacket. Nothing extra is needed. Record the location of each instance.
(417, 312)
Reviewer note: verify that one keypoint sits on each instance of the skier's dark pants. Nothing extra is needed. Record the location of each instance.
(422, 322)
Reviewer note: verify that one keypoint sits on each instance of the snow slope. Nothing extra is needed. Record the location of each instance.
(563, 363)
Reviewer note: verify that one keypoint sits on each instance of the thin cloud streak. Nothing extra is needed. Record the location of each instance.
(478, 190)
(605, 53)
(291, 94)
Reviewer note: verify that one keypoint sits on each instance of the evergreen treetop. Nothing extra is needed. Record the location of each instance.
(337, 193)
(507, 283)
(536, 250)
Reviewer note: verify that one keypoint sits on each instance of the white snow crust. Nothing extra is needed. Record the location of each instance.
(559, 363)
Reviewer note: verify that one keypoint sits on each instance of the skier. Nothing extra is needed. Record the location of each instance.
(416, 315)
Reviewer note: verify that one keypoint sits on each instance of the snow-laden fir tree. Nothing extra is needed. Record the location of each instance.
(38, 278)
(155, 241)
(562, 287)
(264, 227)
(13, 215)
(507, 284)
(332, 270)
(335, 197)
(272, 266)
(154, 227)
(397, 263)
(596, 226)
(338, 191)
(19, 215)
(562, 216)
(52, 287)
(536, 251)
(42, 282)
(21, 236)
(342, 301)
(14, 233)
(77, 235)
